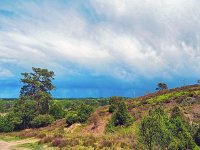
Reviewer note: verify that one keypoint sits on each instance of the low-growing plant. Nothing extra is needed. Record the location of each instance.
(42, 121)
(46, 139)
(56, 142)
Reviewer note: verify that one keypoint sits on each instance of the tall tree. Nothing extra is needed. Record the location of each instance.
(38, 86)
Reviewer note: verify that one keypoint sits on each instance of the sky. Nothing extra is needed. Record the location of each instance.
(100, 48)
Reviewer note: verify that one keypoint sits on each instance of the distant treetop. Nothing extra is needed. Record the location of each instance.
(162, 86)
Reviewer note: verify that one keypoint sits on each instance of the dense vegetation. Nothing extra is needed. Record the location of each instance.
(168, 119)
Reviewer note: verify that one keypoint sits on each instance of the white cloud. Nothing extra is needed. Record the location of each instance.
(5, 73)
(130, 39)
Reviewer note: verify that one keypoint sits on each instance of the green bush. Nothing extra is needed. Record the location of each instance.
(84, 113)
(79, 116)
(56, 110)
(6, 124)
(122, 117)
(153, 129)
(25, 111)
(42, 121)
(181, 134)
(175, 144)
(179, 129)
(158, 130)
(114, 101)
(177, 113)
(71, 119)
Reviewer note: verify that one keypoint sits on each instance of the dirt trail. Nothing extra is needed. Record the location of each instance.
(12, 145)
(103, 118)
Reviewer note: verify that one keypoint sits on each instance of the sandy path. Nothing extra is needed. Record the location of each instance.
(4, 145)
(12, 145)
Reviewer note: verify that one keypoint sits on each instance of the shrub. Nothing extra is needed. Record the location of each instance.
(56, 110)
(176, 113)
(181, 134)
(180, 129)
(84, 113)
(42, 121)
(171, 133)
(81, 116)
(25, 111)
(153, 129)
(175, 144)
(112, 108)
(114, 101)
(6, 124)
(71, 119)
(122, 117)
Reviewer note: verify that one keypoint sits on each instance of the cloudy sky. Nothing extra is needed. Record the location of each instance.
(100, 48)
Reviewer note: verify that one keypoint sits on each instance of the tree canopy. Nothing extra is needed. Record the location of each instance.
(37, 86)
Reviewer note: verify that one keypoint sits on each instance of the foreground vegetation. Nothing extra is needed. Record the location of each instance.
(167, 119)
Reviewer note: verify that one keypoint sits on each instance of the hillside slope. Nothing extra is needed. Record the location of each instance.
(93, 135)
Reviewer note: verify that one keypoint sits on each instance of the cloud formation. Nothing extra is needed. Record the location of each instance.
(123, 39)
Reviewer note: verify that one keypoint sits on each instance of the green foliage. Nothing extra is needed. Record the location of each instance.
(84, 113)
(153, 129)
(157, 130)
(42, 121)
(181, 135)
(9, 122)
(43, 102)
(176, 113)
(71, 119)
(56, 110)
(114, 101)
(37, 86)
(180, 131)
(122, 117)
(25, 111)
(79, 116)
(161, 86)
(6, 124)
(6, 105)
(166, 97)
